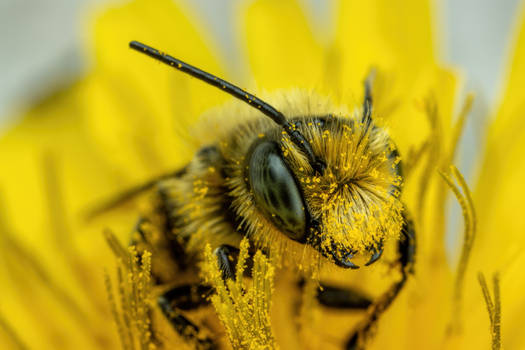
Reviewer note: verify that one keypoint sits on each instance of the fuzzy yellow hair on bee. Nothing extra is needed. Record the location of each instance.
(303, 180)
(356, 197)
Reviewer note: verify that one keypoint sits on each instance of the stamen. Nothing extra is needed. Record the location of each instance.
(115, 246)
(435, 141)
(132, 312)
(459, 126)
(124, 341)
(243, 309)
(493, 308)
(469, 217)
(414, 157)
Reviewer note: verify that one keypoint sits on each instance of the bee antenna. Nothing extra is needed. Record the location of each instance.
(236, 92)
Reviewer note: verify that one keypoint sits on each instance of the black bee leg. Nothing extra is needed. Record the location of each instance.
(186, 328)
(188, 296)
(407, 251)
(342, 298)
(227, 258)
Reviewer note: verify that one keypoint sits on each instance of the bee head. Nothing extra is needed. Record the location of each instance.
(350, 208)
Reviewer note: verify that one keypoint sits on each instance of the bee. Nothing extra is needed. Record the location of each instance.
(306, 182)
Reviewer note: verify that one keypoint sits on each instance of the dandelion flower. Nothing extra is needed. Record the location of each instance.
(65, 284)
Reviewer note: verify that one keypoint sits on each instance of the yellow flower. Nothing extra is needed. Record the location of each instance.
(128, 120)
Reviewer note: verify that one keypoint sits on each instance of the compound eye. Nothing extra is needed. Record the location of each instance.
(276, 191)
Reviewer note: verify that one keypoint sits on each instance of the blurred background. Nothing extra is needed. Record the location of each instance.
(42, 48)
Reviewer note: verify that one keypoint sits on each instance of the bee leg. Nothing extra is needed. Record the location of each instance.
(407, 251)
(188, 296)
(340, 297)
(227, 258)
(186, 328)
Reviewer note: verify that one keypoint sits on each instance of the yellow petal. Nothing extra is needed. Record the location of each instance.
(139, 111)
(45, 188)
(394, 38)
(281, 49)
(385, 34)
